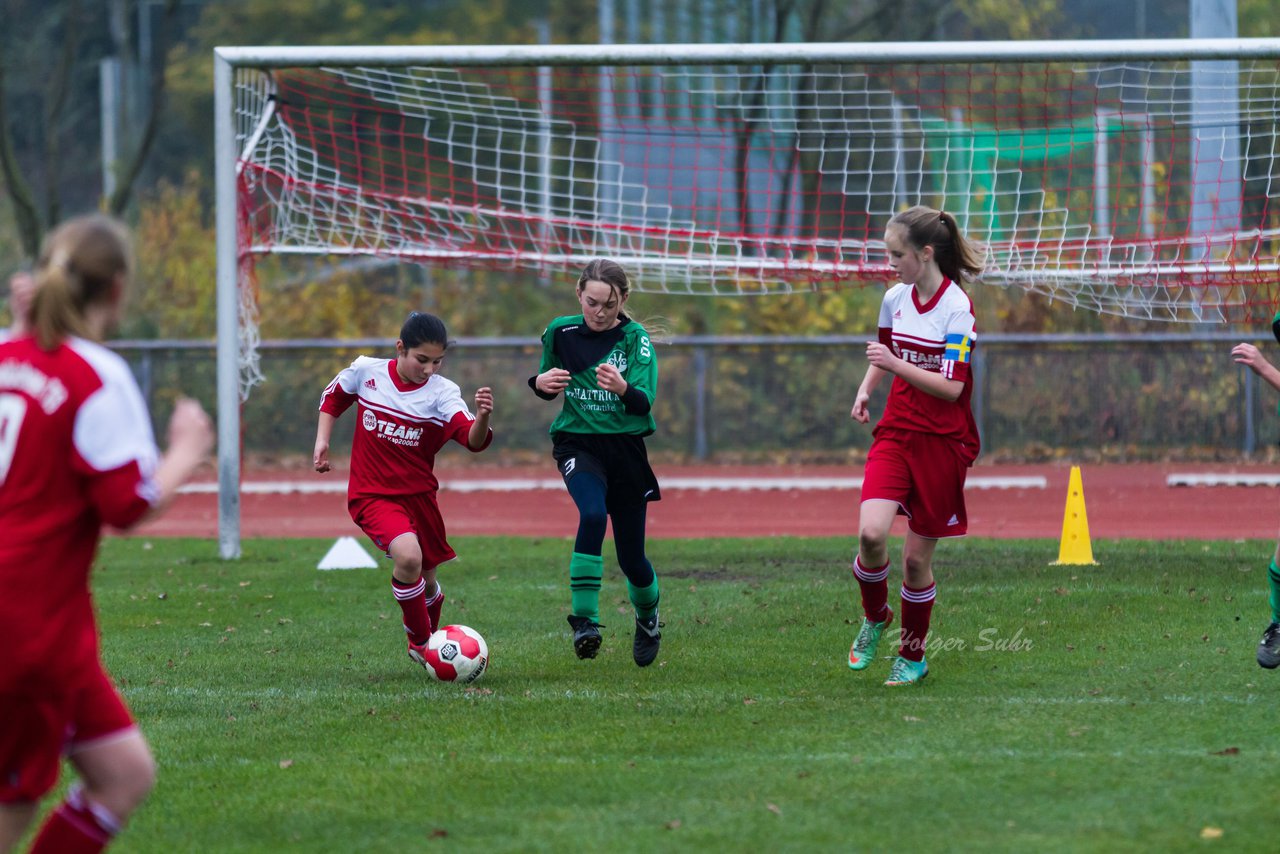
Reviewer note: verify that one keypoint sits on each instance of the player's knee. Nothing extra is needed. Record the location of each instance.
(141, 782)
(872, 540)
(593, 519)
(123, 790)
(407, 556)
(916, 567)
(408, 570)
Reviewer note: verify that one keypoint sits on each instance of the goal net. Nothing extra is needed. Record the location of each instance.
(1130, 178)
(1135, 187)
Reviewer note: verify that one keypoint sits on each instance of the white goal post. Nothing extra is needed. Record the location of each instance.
(1132, 177)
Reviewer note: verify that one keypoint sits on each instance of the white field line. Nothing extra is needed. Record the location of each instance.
(1222, 479)
(528, 484)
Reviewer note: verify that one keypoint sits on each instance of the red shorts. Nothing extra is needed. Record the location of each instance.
(40, 728)
(924, 474)
(384, 519)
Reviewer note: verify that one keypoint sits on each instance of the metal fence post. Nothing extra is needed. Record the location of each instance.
(978, 403)
(701, 444)
(1250, 400)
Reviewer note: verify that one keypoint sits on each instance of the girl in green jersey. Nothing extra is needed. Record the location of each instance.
(603, 363)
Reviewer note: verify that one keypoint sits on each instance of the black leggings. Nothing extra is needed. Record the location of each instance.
(591, 496)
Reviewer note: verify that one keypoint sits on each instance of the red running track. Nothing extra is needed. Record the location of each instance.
(1122, 501)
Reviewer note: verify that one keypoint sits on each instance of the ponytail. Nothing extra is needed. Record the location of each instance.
(78, 267)
(957, 257)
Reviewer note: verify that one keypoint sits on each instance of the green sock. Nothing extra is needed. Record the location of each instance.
(585, 572)
(1273, 576)
(645, 599)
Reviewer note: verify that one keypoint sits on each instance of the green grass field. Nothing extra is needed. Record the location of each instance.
(1068, 708)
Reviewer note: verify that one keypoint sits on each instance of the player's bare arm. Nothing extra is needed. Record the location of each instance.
(860, 412)
(324, 430)
(22, 286)
(1251, 357)
(929, 382)
(484, 409)
(552, 381)
(190, 441)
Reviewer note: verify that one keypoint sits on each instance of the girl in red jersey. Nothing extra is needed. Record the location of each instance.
(407, 412)
(926, 439)
(76, 451)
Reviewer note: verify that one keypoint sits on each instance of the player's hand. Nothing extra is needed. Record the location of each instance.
(190, 428)
(190, 439)
(484, 400)
(881, 356)
(1248, 355)
(610, 378)
(859, 412)
(320, 457)
(552, 381)
(22, 287)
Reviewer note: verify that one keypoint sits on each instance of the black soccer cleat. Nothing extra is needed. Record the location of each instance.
(586, 636)
(1269, 647)
(645, 647)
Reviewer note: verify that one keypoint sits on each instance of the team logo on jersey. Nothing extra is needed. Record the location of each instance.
(619, 360)
(397, 434)
(369, 383)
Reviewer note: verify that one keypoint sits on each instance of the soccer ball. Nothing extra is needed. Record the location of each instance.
(456, 654)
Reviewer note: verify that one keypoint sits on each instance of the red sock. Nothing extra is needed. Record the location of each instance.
(917, 608)
(417, 622)
(77, 826)
(434, 604)
(875, 589)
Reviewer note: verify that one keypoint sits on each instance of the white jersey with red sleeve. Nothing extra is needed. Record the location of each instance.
(400, 427)
(76, 451)
(937, 336)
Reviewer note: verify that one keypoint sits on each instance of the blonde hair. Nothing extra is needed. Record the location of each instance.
(957, 257)
(78, 267)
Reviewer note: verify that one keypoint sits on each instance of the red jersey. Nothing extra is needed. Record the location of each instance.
(937, 336)
(76, 451)
(401, 427)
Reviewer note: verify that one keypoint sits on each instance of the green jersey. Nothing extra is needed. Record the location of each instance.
(570, 344)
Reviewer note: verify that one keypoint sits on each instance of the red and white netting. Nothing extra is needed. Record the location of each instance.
(1141, 189)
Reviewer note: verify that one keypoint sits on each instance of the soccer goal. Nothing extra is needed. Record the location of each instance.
(1127, 177)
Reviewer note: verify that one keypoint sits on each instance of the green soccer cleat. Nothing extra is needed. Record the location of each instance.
(1269, 647)
(863, 651)
(906, 672)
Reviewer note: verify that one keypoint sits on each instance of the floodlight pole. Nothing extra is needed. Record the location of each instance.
(228, 301)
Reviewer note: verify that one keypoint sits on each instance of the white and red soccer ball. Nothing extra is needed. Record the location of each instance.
(456, 654)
